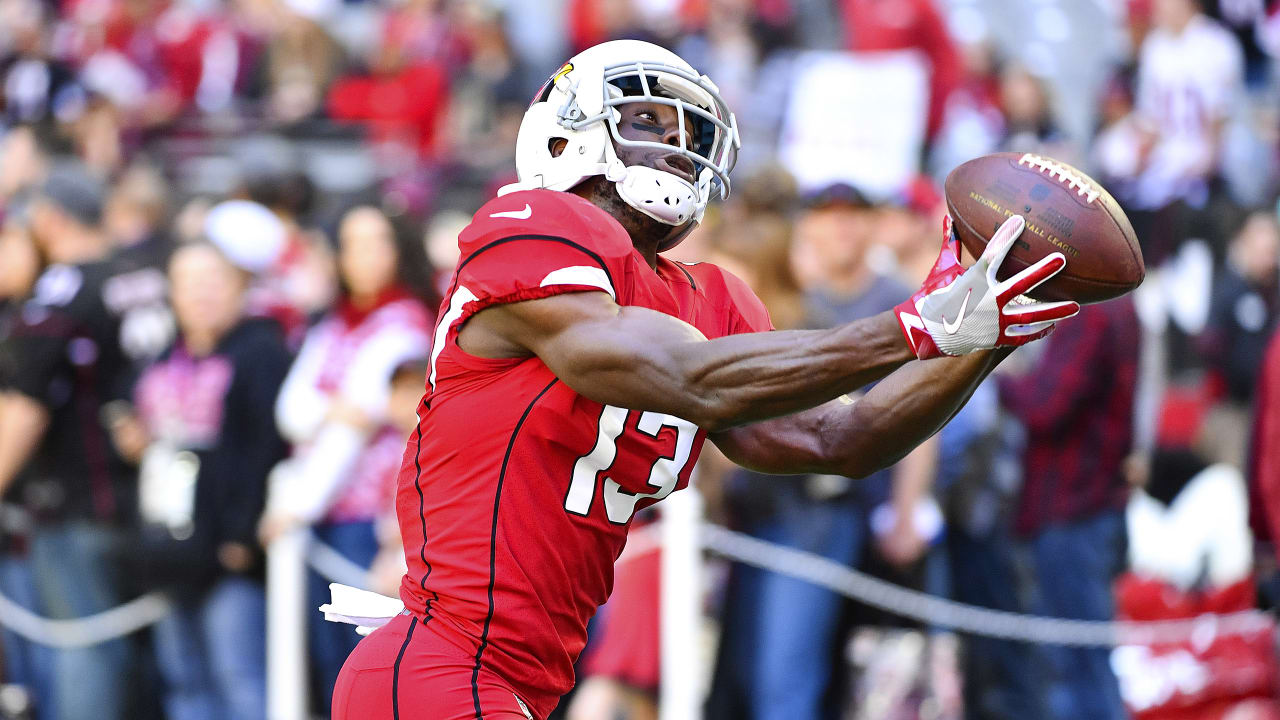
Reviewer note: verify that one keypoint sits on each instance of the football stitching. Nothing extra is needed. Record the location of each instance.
(1076, 182)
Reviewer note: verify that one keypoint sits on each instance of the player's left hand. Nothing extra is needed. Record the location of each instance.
(959, 310)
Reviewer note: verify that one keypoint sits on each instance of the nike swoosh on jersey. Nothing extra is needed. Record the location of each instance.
(950, 328)
(524, 214)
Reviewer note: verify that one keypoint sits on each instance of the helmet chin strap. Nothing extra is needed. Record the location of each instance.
(665, 197)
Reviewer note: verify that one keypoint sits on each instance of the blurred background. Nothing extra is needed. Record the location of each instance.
(225, 230)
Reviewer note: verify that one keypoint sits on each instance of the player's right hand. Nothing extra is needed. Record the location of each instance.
(958, 311)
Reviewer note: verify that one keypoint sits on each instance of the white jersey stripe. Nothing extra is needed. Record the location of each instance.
(580, 275)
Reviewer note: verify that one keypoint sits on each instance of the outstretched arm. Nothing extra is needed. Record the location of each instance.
(645, 360)
(857, 437)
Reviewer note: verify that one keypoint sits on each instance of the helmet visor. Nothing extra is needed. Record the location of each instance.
(708, 131)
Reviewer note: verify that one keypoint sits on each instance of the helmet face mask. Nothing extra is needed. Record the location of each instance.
(581, 103)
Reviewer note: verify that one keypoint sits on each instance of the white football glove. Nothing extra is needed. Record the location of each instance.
(959, 311)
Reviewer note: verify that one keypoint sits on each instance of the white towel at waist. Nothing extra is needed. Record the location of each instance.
(366, 610)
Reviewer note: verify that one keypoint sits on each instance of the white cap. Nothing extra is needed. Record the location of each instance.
(250, 235)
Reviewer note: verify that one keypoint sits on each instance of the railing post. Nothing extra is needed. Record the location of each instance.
(287, 626)
(683, 670)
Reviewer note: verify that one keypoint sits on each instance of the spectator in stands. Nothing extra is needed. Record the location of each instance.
(488, 100)
(304, 276)
(97, 135)
(296, 65)
(759, 252)
(1245, 303)
(19, 267)
(872, 25)
(204, 437)
(132, 219)
(388, 568)
(68, 362)
(333, 405)
(979, 471)
(27, 665)
(1116, 156)
(1076, 405)
(972, 123)
(23, 166)
(1028, 116)
(1264, 485)
(907, 232)
(1190, 80)
(774, 662)
(256, 239)
(38, 89)
(401, 100)
(1242, 315)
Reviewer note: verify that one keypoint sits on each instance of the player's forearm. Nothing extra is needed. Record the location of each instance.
(756, 376)
(902, 411)
(22, 425)
(737, 379)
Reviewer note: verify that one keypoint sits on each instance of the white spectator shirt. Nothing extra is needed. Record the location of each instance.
(360, 362)
(1187, 84)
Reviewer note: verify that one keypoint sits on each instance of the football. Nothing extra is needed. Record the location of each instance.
(1066, 211)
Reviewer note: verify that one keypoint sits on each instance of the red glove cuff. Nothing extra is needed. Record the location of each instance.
(945, 270)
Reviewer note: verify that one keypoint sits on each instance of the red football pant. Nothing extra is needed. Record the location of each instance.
(403, 671)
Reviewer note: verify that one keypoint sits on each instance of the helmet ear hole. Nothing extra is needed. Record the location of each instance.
(556, 145)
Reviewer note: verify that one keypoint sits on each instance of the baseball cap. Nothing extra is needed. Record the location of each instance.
(76, 192)
(836, 194)
(920, 195)
(250, 235)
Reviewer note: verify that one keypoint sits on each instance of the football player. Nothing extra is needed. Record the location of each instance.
(575, 374)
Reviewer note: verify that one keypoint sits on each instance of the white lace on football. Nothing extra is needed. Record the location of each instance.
(1063, 173)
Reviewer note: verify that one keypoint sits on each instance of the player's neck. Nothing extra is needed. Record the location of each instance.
(647, 250)
(648, 236)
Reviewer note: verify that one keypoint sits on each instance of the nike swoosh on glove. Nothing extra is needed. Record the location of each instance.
(959, 311)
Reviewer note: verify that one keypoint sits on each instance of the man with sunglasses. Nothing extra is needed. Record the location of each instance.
(575, 374)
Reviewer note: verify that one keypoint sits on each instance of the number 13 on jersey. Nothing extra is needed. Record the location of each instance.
(620, 504)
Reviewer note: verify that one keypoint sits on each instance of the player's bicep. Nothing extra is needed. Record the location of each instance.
(625, 356)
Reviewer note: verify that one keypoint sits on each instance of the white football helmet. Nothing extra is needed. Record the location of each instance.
(578, 105)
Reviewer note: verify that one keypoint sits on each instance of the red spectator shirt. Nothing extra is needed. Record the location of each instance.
(1077, 407)
(872, 25)
(1264, 490)
(516, 493)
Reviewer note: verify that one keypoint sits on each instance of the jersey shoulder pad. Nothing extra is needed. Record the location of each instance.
(724, 289)
(545, 213)
(537, 243)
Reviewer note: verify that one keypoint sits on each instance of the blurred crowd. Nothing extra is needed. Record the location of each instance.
(224, 228)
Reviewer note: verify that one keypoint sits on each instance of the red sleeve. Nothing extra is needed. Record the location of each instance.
(534, 244)
(750, 312)
(944, 59)
(349, 98)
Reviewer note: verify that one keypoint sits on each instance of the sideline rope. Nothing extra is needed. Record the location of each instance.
(84, 631)
(333, 566)
(921, 607)
(971, 619)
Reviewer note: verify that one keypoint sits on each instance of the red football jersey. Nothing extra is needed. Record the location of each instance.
(515, 493)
